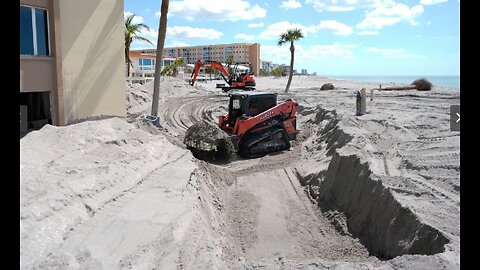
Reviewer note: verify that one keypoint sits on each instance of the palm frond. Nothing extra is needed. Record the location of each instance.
(143, 39)
(291, 36)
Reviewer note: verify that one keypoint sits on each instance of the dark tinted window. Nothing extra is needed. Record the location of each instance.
(26, 31)
(42, 31)
(258, 105)
(33, 40)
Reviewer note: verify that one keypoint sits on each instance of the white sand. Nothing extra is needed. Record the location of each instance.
(107, 195)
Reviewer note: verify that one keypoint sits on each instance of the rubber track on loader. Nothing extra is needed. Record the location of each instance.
(261, 144)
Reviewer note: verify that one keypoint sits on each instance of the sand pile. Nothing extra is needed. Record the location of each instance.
(87, 188)
(380, 191)
(391, 177)
(139, 96)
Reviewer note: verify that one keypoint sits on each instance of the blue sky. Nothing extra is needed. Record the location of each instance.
(342, 37)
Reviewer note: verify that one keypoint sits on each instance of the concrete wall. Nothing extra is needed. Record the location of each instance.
(92, 48)
(37, 74)
(255, 58)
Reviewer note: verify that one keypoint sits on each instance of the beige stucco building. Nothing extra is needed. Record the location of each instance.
(71, 60)
(242, 53)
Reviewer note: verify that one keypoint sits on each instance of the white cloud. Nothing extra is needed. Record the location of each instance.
(329, 51)
(432, 2)
(304, 56)
(244, 36)
(273, 31)
(187, 32)
(175, 43)
(367, 33)
(339, 5)
(394, 53)
(255, 25)
(136, 19)
(389, 12)
(218, 10)
(338, 27)
(290, 4)
(149, 34)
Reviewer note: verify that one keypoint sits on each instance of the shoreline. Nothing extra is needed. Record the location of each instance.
(361, 79)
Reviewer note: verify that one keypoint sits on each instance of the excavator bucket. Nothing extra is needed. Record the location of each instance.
(210, 143)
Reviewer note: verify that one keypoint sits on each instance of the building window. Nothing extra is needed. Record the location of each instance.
(34, 31)
(146, 64)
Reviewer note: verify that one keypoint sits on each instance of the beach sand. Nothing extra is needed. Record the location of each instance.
(377, 191)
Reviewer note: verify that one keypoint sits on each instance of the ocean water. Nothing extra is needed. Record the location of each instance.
(441, 81)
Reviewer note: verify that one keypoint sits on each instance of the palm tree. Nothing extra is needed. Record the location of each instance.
(131, 32)
(229, 62)
(291, 36)
(210, 70)
(172, 69)
(162, 31)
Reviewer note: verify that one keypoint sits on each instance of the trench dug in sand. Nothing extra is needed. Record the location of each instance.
(355, 199)
(343, 213)
(383, 225)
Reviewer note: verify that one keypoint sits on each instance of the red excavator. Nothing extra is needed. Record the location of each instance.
(254, 126)
(236, 79)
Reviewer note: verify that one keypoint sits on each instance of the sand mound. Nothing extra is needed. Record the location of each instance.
(139, 96)
(365, 200)
(68, 174)
(352, 192)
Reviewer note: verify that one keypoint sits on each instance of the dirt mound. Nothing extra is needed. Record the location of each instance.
(210, 143)
(139, 96)
(327, 86)
(422, 84)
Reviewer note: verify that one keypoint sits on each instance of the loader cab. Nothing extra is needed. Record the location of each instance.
(248, 104)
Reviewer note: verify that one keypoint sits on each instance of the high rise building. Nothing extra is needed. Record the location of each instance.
(243, 53)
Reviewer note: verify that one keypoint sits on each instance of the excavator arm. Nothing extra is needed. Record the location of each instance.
(214, 64)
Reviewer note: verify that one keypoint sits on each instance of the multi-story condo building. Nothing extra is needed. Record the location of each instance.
(242, 53)
(267, 65)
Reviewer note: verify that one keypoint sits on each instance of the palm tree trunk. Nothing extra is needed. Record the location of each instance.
(292, 56)
(162, 30)
(127, 59)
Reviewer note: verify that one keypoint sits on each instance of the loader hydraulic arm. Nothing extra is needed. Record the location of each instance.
(214, 64)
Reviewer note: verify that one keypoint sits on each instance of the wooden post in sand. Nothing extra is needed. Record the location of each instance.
(371, 94)
(364, 100)
(380, 87)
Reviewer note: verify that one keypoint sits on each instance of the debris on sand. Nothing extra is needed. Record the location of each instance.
(209, 142)
(327, 86)
(422, 84)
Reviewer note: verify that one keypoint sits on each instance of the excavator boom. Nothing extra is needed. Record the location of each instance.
(245, 81)
(213, 64)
